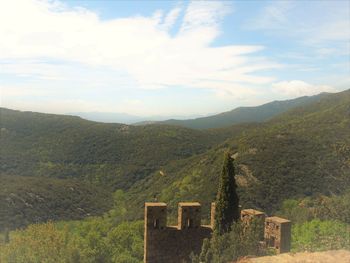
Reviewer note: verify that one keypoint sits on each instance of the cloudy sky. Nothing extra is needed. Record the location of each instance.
(169, 57)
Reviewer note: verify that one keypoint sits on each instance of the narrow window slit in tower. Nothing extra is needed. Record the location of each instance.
(156, 223)
(189, 223)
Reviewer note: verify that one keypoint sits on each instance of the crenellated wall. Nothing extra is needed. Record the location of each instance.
(174, 244)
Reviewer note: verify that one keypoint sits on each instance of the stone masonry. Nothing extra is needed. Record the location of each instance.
(247, 215)
(174, 244)
(278, 233)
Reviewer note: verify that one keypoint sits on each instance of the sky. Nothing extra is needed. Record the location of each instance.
(169, 58)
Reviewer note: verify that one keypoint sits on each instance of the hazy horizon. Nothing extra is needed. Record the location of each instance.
(169, 58)
(126, 118)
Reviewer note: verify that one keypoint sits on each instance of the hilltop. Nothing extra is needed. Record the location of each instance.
(242, 114)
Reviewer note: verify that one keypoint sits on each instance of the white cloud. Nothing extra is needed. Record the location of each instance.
(140, 47)
(171, 18)
(298, 88)
(204, 14)
(323, 25)
(273, 16)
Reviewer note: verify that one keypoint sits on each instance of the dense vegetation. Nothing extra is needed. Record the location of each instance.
(110, 238)
(99, 240)
(244, 114)
(26, 200)
(319, 207)
(303, 152)
(111, 155)
(319, 224)
(318, 235)
(105, 239)
(93, 240)
(231, 238)
(228, 247)
(35, 144)
(227, 201)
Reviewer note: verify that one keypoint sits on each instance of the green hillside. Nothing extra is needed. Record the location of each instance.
(300, 153)
(41, 153)
(36, 144)
(244, 114)
(27, 200)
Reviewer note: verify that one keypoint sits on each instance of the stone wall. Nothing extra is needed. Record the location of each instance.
(275, 231)
(278, 234)
(248, 215)
(173, 244)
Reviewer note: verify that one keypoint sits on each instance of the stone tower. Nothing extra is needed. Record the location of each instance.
(248, 215)
(278, 233)
(173, 244)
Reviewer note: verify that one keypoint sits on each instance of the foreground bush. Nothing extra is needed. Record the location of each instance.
(238, 242)
(318, 235)
(93, 240)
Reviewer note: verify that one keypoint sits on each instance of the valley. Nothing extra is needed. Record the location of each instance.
(302, 152)
(88, 181)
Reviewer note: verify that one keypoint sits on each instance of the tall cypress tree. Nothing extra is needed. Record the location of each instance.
(227, 210)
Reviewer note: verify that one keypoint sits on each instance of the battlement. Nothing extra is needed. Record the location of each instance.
(189, 215)
(155, 215)
(174, 244)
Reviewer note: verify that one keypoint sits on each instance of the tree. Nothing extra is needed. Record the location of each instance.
(227, 210)
(228, 247)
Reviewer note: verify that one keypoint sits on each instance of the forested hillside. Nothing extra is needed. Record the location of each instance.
(244, 114)
(40, 153)
(36, 144)
(300, 153)
(25, 200)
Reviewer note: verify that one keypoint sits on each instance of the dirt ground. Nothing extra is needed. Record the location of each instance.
(333, 256)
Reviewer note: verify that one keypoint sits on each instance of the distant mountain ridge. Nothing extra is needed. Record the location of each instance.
(302, 152)
(108, 117)
(241, 115)
(124, 118)
(64, 146)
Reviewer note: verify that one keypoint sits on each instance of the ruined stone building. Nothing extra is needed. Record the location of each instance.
(248, 215)
(278, 233)
(275, 231)
(174, 244)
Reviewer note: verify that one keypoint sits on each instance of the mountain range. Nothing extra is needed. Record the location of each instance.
(301, 150)
(242, 114)
(125, 118)
(238, 115)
